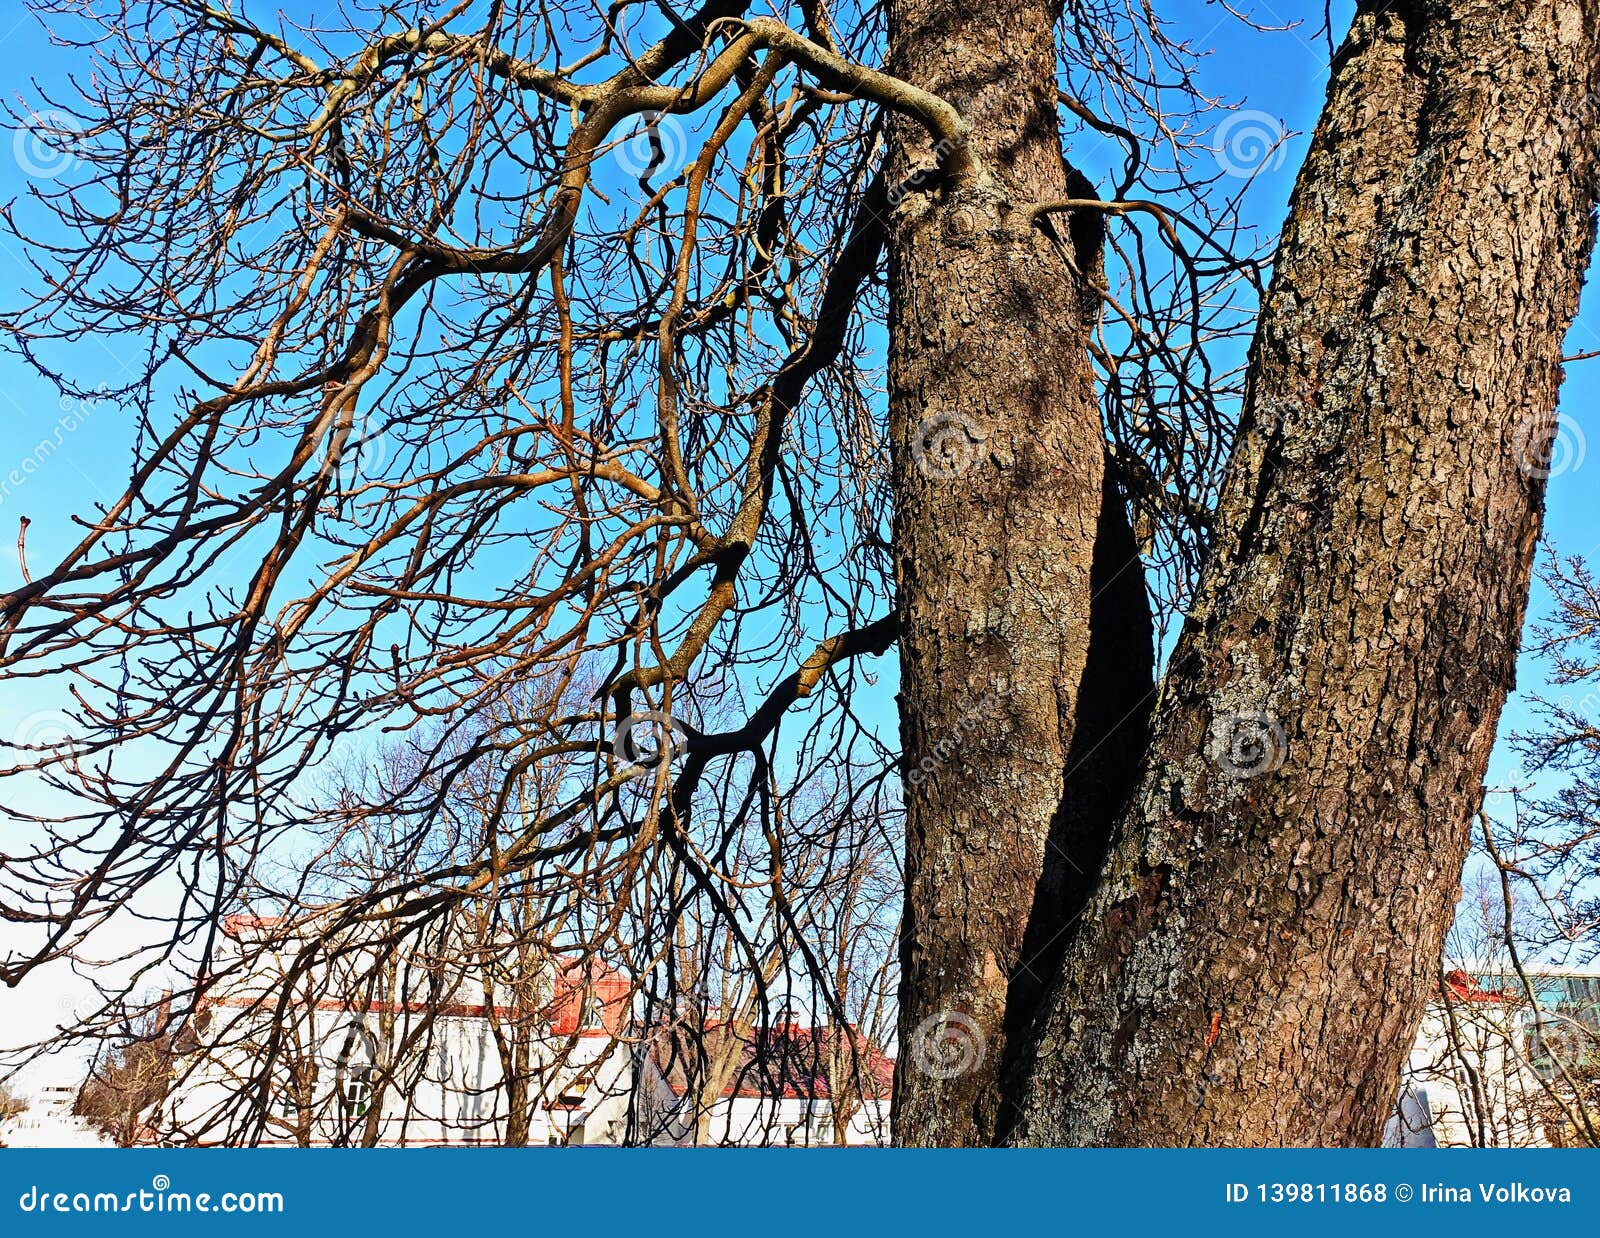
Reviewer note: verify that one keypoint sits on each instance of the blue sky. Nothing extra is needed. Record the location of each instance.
(88, 457)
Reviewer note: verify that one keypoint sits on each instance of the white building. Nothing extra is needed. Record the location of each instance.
(404, 1054)
(778, 1090)
(1494, 1068)
(410, 1054)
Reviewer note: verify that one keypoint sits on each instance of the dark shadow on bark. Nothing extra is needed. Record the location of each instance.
(1112, 732)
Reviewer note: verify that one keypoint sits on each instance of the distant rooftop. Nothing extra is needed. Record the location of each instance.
(1504, 967)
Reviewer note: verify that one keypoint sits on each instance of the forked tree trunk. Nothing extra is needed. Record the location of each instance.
(997, 469)
(1253, 967)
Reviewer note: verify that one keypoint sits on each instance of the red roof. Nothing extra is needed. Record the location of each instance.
(1464, 987)
(235, 925)
(578, 981)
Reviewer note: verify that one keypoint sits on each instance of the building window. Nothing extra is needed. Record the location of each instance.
(358, 1092)
(355, 1062)
(573, 1092)
(594, 1015)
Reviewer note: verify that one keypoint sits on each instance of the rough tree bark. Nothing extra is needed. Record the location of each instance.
(1253, 965)
(998, 472)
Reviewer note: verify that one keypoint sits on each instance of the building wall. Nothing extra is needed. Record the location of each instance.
(423, 1069)
(339, 1057)
(755, 1121)
(1479, 1075)
(448, 1089)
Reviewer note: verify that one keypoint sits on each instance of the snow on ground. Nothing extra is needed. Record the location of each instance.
(30, 1131)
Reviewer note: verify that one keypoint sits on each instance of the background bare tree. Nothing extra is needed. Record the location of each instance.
(1551, 840)
(1532, 910)
(1498, 1063)
(10, 1104)
(130, 1078)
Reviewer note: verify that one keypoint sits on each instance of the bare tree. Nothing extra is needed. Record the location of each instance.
(1551, 839)
(533, 345)
(1535, 911)
(130, 1079)
(794, 993)
(1482, 1073)
(11, 1106)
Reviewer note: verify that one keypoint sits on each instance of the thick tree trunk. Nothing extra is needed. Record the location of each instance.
(998, 475)
(1253, 967)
